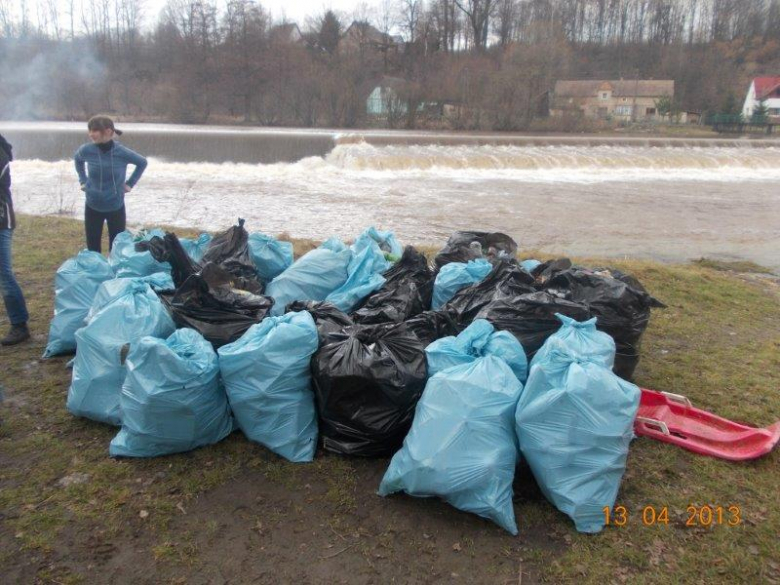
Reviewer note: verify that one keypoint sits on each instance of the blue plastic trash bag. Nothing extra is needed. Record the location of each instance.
(111, 289)
(462, 446)
(385, 240)
(313, 277)
(477, 340)
(574, 423)
(457, 275)
(583, 338)
(75, 285)
(268, 381)
(530, 264)
(126, 261)
(99, 371)
(364, 277)
(196, 248)
(172, 399)
(271, 257)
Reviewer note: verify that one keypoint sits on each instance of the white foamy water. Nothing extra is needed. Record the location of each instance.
(665, 202)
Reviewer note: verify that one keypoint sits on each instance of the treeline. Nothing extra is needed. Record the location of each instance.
(492, 62)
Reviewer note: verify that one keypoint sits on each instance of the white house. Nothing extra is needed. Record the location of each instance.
(765, 89)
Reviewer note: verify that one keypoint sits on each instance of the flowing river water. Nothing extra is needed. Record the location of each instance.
(668, 199)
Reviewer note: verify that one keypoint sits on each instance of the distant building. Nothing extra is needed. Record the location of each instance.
(384, 99)
(361, 36)
(766, 89)
(622, 99)
(287, 33)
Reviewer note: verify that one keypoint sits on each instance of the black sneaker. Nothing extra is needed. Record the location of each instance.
(18, 334)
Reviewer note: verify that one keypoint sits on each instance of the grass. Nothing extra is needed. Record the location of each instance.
(718, 342)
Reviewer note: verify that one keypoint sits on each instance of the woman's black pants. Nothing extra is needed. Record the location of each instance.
(93, 226)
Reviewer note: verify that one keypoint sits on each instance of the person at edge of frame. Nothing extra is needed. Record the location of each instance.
(13, 298)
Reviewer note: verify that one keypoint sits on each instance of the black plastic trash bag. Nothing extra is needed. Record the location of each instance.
(432, 325)
(367, 381)
(467, 245)
(620, 302)
(169, 249)
(506, 281)
(531, 317)
(407, 291)
(546, 270)
(327, 316)
(230, 249)
(214, 305)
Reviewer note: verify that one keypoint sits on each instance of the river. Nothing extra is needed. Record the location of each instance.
(667, 199)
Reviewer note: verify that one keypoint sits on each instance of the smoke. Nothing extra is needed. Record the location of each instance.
(45, 79)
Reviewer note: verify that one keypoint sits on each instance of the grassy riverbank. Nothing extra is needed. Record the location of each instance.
(235, 513)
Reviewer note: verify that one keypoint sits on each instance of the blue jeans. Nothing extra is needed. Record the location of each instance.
(12, 294)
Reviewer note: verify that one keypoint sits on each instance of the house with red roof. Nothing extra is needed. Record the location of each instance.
(763, 89)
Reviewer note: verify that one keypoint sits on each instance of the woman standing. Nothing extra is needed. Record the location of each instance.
(12, 294)
(104, 182)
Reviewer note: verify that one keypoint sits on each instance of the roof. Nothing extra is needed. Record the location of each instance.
(620, 87)
(288, 31)
(765, 85)
(366, 31)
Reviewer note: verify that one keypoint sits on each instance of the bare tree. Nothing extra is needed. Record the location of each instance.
(410, 11)
(478, 13)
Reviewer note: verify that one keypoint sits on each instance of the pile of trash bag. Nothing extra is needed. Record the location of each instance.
(75, 285)
(365, 350)
(367, 380)
(574, 423)
(172, 400)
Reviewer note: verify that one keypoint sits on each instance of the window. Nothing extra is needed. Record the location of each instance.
(625, 100)
(623, 110)
(650, 112)
(604, 95)
(602, 113)
(774, 111)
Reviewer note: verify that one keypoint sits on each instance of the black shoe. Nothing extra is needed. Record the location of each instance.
(17, 334)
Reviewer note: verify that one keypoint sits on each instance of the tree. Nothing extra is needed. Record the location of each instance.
(664, 106)
(760, 114)
(329, 32)
(731, 106)
(410, 17)
(478, 13)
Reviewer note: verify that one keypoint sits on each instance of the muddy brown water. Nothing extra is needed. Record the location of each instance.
(665, 199)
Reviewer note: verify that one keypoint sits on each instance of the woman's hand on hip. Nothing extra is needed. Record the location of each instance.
(128, 188)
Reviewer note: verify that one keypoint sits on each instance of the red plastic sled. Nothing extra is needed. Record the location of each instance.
(671, 418)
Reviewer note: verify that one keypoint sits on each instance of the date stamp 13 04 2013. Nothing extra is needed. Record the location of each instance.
(659, 516)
